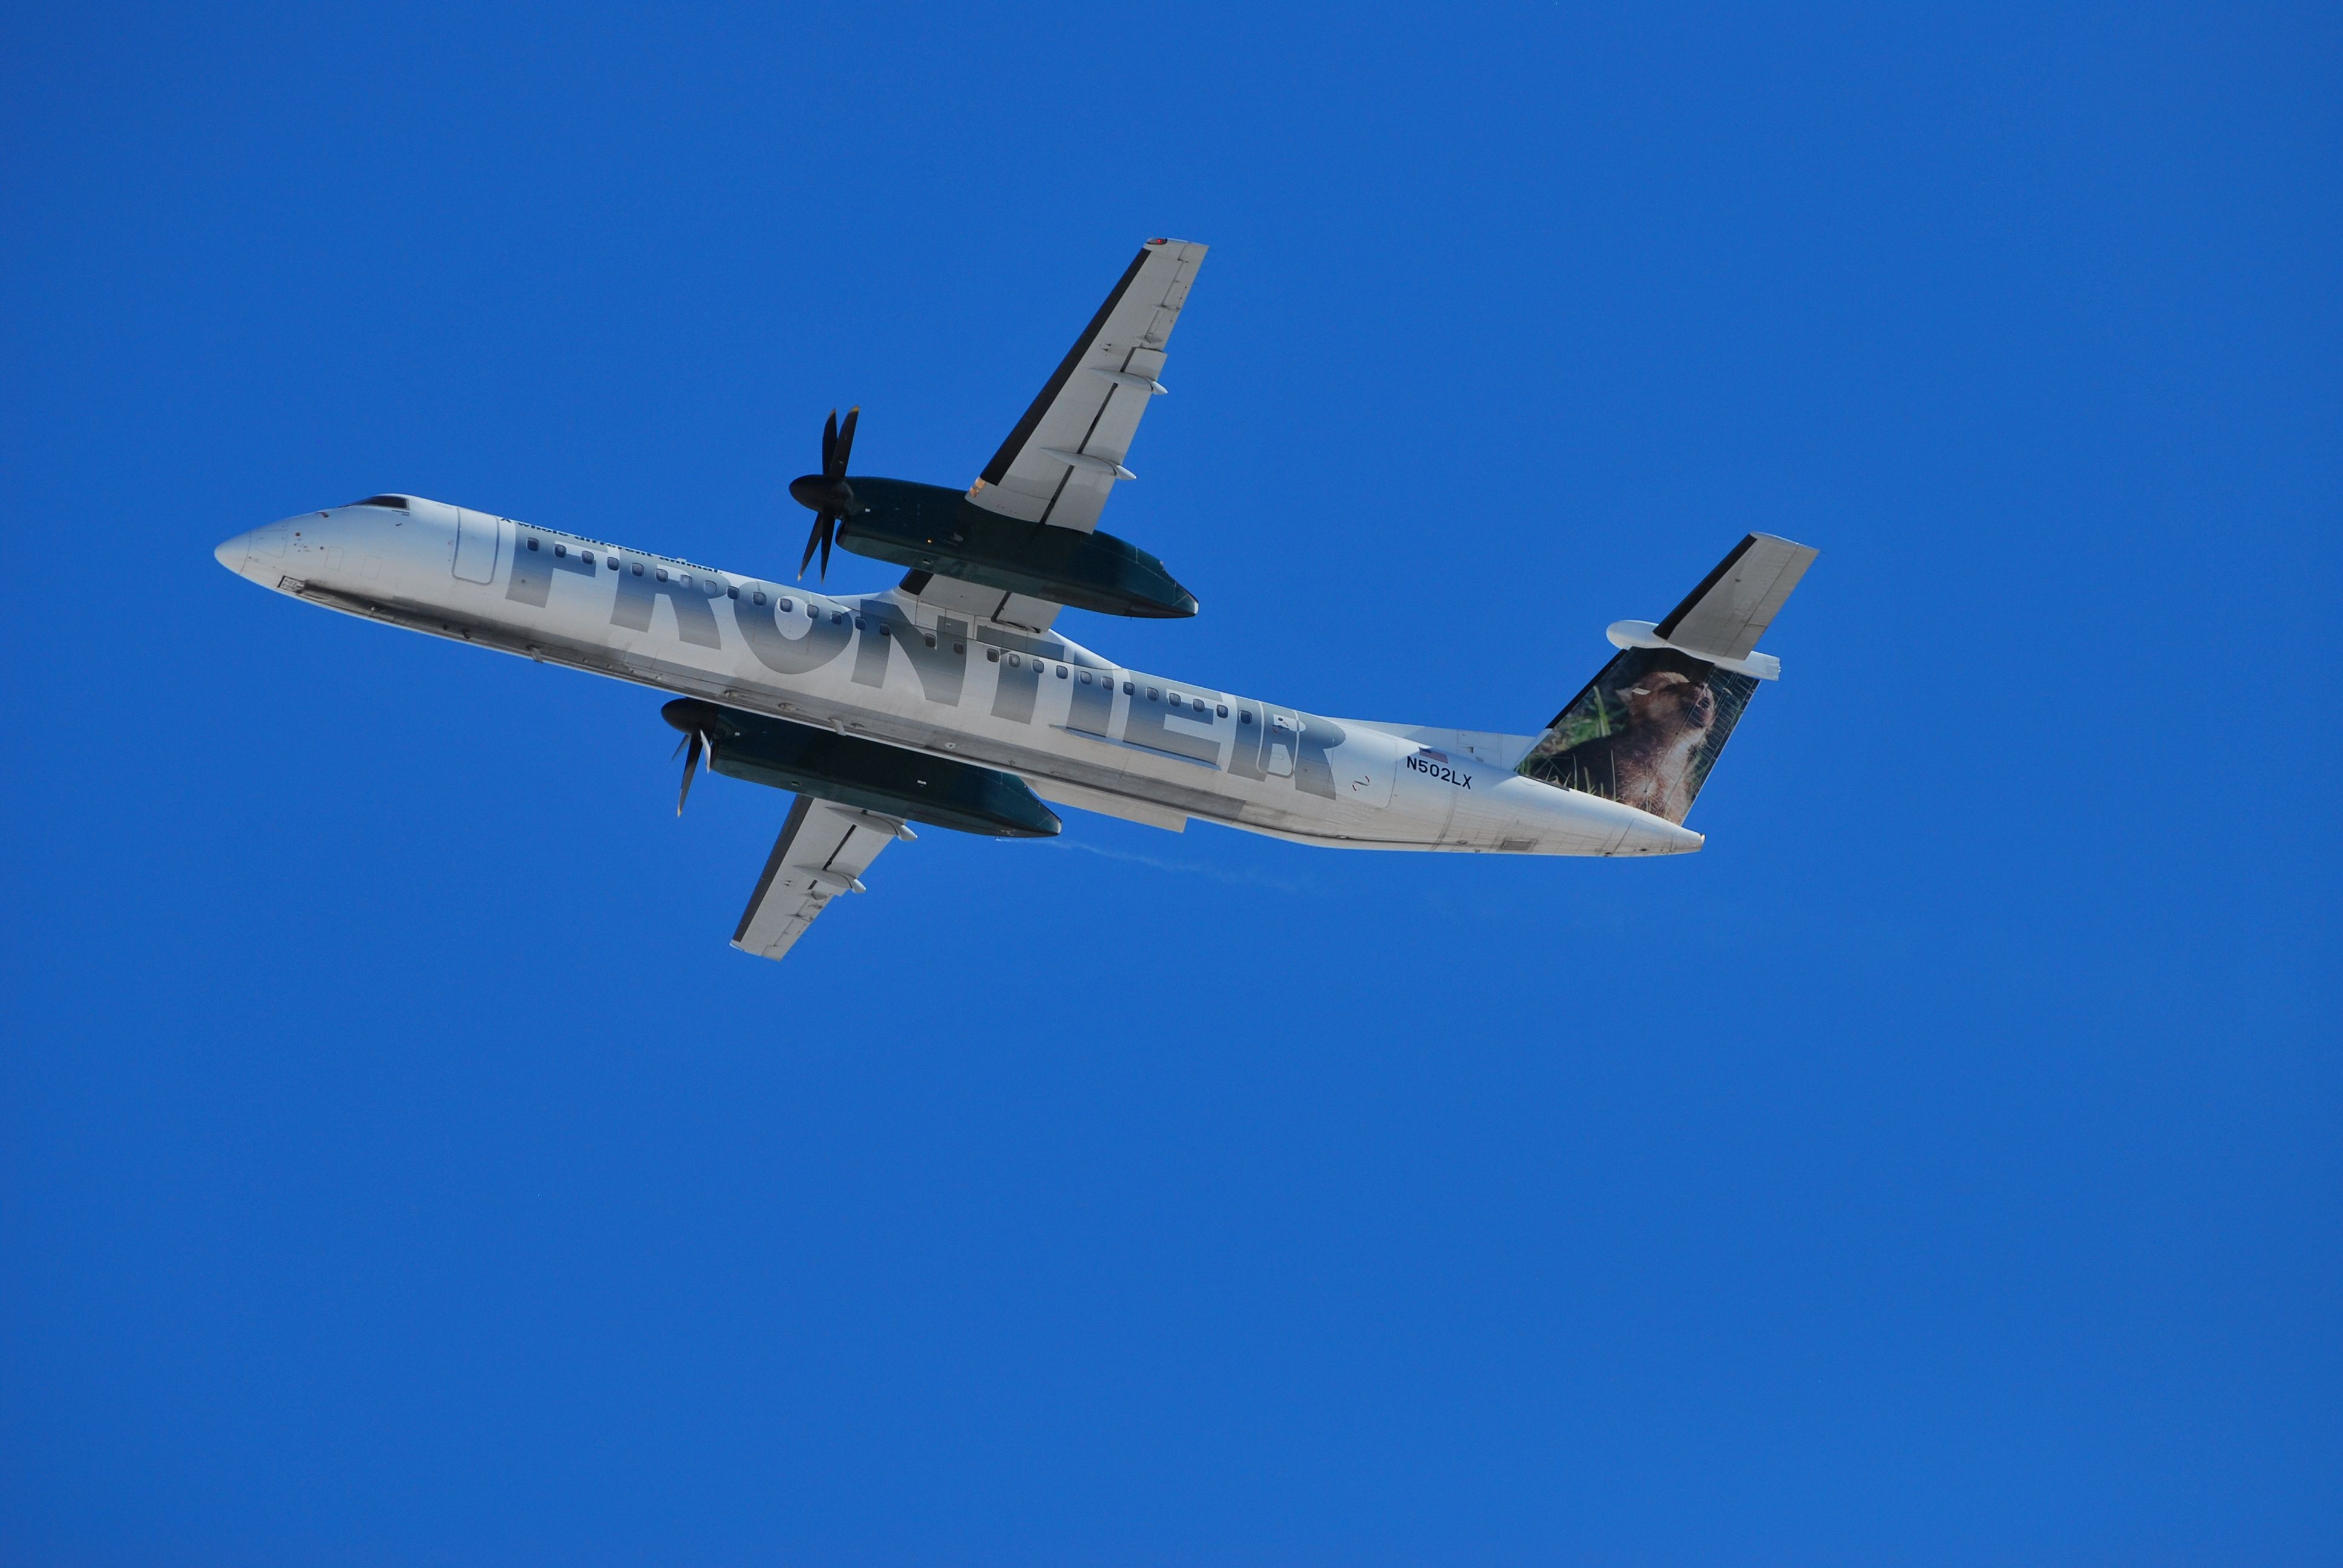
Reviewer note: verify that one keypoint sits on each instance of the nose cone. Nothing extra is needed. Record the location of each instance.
(232, 553)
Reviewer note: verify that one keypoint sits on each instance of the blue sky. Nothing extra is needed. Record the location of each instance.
(396, 1165)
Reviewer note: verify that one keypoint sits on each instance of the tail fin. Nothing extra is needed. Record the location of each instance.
(1646, 731)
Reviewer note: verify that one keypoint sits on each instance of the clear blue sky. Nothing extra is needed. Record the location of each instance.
(396, 1165)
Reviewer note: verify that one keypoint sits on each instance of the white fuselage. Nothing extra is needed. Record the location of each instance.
(1081, 730)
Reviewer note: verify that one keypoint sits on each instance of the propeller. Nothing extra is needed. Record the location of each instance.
(697, 740)
(827, 494)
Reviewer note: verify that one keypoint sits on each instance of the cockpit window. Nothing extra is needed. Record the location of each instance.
(396, 503)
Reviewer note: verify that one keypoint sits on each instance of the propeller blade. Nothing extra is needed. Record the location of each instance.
(679, 749)
(690, 765)
(820, 536)
(833, 466)
(827, 495)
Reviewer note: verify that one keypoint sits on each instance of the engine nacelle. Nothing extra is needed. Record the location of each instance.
(864, 774)
(931, 529)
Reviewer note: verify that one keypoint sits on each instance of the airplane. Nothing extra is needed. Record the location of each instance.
(951, 699)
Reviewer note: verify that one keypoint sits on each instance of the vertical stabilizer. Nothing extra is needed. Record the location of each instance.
(1646, 731)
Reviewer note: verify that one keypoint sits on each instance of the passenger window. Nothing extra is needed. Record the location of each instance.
(993, 655)
(532, 544)
(662, 574)
(639, 569)
(786, 606)
(838, 618)
(1153, 696)
(1014, 661)
(1128, 689)
(930, 637)
(960, 647)
(758, 595)
(1061, 672)
(1244, 716)
(735, 593)
(561, 549)
(1221, 709)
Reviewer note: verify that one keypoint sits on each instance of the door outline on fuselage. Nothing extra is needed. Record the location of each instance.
(1280, 740)
(478, 537)
(1364, 774)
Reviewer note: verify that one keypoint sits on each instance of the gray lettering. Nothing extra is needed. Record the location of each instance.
(1094, 703)
(533, 569)
(809, 644)
(939, 670)
(639, 589)
(1312, 773)
(1245, 755)
(1013, 691)
(1148, 724)
(1278, 741)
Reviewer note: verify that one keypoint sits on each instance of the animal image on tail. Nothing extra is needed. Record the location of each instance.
(951, 700)
(1644, 732)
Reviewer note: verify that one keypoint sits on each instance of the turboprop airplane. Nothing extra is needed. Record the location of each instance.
(951, 700)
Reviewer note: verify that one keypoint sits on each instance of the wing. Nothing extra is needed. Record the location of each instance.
(822, 852)
(1066, 453)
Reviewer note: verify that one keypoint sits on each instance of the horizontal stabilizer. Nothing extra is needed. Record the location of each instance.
(1723, 616)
